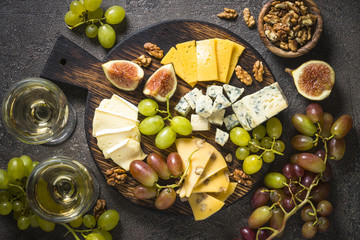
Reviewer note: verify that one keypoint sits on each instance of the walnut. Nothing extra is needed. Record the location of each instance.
(284, 45)
(153, 50)
(142, 61)
(248, 18)
(99, 208)
(258, 70)
(115, 176)
(270, 33)
(241, 177)
(228, 13)
(243, 75)
(293, 45)
(272, 19)
(307, 20)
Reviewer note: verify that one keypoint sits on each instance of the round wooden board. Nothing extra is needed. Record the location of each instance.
(70, 64)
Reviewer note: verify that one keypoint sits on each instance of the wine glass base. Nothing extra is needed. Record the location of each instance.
(68, 130)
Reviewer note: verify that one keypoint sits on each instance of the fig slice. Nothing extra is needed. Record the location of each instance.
(123, 74)
(161, 83)
(313, 79)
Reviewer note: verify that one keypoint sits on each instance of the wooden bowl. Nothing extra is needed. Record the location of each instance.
(313, 9)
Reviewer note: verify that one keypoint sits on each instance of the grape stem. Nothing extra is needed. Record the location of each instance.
(70, 230)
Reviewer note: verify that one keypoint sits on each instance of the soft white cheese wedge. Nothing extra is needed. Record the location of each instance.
(118, 105)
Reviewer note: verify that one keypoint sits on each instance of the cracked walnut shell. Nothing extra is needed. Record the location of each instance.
(228, 13)
(153, 50)
(243, 75)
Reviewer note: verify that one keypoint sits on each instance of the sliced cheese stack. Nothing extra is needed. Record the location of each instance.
(205, 60)
(206, 184)
(115, 127)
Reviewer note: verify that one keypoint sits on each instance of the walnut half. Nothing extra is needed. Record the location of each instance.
(243, 75)
(142, 61)
(258, 71)
(228, 13)
(248, 18)
(153, 50)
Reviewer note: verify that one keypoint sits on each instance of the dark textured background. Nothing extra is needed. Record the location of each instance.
(29, 29)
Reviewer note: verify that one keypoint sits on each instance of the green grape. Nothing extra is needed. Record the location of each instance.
(34, 163)
(181, 125)
(4, 179)
(279, 146)
(253, 143)
(239, 136)
(148, 107)
(104, 234)
(77, 7)
(27, 163)
(266, 142)
(108, 220)
(151, 125)
(17, 206)
(242, 153)
(274, 180)
(309, 230)
(92, 5)
(302, 142)
(89, 221)
(252, 164)
(274, 128)
(97, 14)
(260, 216)
(342, 126)
(276, 219)
(34, 221)
(17, 215)
(45, 225)
(4, 196)
(259, 132)
(106, 36)
(76, 222)
(16, 169)
(114, 15)
(165, 138)
(94, 236)
(23, 222)
(268, 156)
(91, 30)
(303, 124)
(72, 19)
(5, 208)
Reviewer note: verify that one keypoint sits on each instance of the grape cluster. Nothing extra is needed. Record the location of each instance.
(149, 173)
(304, 181)
(264, 139)
(89, 12)
(13, 200)
(155, 124)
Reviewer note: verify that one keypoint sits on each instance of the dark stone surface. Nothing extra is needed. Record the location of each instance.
(29, 30)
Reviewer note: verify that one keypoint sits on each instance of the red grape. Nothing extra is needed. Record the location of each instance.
(326, 125)
(288, 171)
(260, 198)
(324, 208)
(327, 173)
(263, 234)
(298, 171)
(308, 179)
(321, 153)
(323, 224)
(302, 142)
(143, 173)
(165, 199)
(174, 164)
(311, 162)
(315, 112)
(276, 219)
(321, 192)
(277, 195)
(337, 148)
(303, 124)
(247, 233)
(307, 214)
(309, 230)
(142, 192)
(157, 163)
(288, 204)
(342, 126)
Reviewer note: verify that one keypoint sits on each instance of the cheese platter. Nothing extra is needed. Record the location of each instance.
(70, 64)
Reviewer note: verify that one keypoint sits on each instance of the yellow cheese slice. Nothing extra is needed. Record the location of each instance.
(218, 182)
(222, 196)
(125, 152)
(173, 57)
(106, 120)
(237, 50)
(187, 54)
(198, 163)
(224, 50)
(169, 57)
(207, 69)
(203, 205)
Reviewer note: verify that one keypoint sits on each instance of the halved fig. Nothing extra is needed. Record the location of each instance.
(161, 83)
(313, 79)
(123, 74)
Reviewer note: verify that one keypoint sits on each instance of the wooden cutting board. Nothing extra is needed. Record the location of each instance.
(70, 64)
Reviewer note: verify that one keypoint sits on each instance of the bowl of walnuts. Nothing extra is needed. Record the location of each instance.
(290, 28)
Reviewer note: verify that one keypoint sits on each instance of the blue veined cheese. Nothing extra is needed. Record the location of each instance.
(233, 92)
(183, 107)
(217, 118)
(214, 90)
(231, 121)
(256, 108)
(221, 137)
(192, 96)
(204, 106)
(199, 123)
(220, 102)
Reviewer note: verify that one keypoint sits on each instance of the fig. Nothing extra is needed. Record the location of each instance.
(161, 83)
(313, 79)
(123, 74)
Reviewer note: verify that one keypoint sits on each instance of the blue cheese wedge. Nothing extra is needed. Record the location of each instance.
(183, 107)
(199, 123)
(192, 97)
(204, 106)
(217, 118)
(231, 121)
(214, 90)
(256, 108)
(233, 92)
(220, 102)
(221, 137)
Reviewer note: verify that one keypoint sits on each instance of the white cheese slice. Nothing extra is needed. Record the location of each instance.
(199, 123)
(233, 92)
(119, 105)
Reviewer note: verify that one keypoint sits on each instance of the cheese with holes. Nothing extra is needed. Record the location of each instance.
(106, 120)
(203, 205)
(173, 57)
(224, 49)
(223, 196)
(219, 182)
(237, 51)
(187, 54)
(207, 69)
